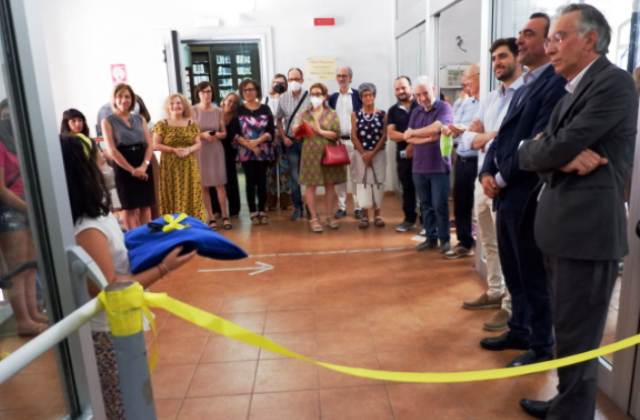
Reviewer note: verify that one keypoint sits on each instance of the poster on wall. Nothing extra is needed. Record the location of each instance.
(118, 73)
(321, 69)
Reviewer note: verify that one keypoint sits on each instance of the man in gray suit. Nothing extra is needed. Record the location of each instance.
(582, 157)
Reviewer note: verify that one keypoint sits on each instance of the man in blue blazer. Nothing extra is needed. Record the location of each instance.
(583, 157)
(522, 263)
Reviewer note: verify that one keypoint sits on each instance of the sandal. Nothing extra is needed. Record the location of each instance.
(213, 225)
(255, 219)
(363, 224)
(226, 223)
(332, 223)
(315, 226)
(378, 221)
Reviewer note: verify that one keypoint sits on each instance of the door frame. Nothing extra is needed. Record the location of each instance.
(263, 35)
(26, 76)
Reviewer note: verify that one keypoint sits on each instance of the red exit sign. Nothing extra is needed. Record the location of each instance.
(325, 21)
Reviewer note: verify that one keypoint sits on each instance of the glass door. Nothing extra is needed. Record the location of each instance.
(35, 233)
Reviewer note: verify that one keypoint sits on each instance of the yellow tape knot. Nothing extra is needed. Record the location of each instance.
(173, 223)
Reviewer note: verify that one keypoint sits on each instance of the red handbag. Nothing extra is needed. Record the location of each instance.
(335, 155)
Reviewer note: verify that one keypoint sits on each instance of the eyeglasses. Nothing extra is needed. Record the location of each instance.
(250, 89)
(208, 91)
(557, 38)
(342, 76)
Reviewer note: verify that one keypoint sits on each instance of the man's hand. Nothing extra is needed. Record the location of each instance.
(455, 130)
(490, 186)
(409, 151)
(407, 134)
(476, 126)
(585, 163)
(287, 141)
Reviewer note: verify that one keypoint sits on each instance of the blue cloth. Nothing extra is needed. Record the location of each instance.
(433, 193)
(148, 245)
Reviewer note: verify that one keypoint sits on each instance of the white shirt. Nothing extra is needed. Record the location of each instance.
(109, 227)
(492, 111)
(572, 84)
(344, 108)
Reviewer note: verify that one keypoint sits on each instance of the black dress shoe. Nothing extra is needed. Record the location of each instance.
(537, 409)
(504, 342)
(529, 358)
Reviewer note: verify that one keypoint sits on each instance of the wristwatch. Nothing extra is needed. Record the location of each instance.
(147, 162)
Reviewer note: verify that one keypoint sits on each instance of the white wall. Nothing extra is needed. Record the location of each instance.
(86, 37)
(461, 19)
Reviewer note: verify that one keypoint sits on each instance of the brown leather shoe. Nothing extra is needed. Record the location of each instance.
(498, 321)
(483, 302)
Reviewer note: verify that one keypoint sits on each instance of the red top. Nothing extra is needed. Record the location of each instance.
(11, 169)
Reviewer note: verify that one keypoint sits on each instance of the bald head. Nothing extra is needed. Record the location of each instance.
(470, 81)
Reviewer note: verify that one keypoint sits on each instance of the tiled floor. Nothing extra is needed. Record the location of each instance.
(359, 298)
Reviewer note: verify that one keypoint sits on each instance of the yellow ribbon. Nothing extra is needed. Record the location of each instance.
(228, 329)
(124, 309)
(173, 223)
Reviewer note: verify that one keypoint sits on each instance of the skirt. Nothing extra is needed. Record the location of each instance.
(133, 192)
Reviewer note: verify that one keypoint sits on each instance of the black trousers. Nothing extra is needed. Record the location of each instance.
(526, 278)
(256, 182)
(231, 187)
(581, 291)
(466, 172)
(408, 190)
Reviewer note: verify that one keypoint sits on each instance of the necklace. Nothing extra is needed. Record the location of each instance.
(368, 117)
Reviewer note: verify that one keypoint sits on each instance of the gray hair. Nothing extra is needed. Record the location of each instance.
(367, 87)
(425, 81)
(591, 19)
(348, 70)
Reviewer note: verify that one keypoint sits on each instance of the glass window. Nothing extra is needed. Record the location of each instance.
(223, 59)
(38, 390)
(243, 59)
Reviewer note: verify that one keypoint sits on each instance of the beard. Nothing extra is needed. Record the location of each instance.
(507, 73)
(403, 97)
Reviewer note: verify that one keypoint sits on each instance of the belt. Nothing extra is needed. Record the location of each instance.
(345, 137)
(467, 159)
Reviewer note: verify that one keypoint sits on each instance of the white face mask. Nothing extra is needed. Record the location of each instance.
(295, 86)
(316, 101)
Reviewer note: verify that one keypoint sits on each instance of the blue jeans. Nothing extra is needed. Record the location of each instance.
(293, 155)
(433, 193)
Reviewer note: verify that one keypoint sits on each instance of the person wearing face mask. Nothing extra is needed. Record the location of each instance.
(326, 130)
(178, 138)
(278, 191)
(292, 102)
(129, 145)
(346, 101)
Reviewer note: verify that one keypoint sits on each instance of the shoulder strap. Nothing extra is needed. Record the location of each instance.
(295, 111)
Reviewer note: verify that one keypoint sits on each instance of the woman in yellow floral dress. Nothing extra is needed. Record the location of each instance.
(177, 138)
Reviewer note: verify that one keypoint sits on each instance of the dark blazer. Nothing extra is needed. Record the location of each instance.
(528, 115)
(583, 217)
(355, 100)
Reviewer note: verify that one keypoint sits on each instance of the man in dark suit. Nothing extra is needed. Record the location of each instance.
(583, 157)
(522, 262)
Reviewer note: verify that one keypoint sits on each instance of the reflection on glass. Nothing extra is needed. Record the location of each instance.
(223, 59)
(243, 59)
(22, 313)
(199, 68)
(225, 83)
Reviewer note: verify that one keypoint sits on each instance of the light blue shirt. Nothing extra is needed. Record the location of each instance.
(491, 112)
(464, 115)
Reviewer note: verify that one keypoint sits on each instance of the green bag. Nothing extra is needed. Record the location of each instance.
(446, 144)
